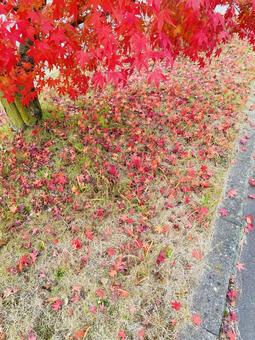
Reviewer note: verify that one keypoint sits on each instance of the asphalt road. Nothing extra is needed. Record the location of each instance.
(246, 278)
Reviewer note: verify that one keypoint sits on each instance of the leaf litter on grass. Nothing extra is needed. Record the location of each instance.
(107, 205)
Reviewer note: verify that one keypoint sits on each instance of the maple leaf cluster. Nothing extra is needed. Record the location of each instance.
(95, 42)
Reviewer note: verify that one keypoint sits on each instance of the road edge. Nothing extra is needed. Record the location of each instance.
(209, 298)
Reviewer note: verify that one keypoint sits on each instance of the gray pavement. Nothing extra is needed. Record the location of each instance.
(246, 279)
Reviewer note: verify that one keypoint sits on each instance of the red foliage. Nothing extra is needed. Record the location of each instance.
(97, 41)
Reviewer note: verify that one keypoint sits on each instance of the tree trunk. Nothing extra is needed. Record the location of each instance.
(21, 116)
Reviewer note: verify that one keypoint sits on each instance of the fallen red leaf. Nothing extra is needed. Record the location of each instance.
(161, 257)
(232, 294)
(122, 334)
(89, 234)
(176, 305)
(141, 334)
(196, 319)
(76, 244)
(231, 335)
(240, 266)
(197, 254)
(100, 293)
(57, 304)
(252, 182)
(249, 219)
(232, 193)
(223, 212)
(111, 251)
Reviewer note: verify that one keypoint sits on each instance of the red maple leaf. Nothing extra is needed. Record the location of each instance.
(57, 304)
(249, 219)
(60, 178)
(176, 305)
(232, 193)
(161, 257)
(100, 293)
(233, 316)
(24, 261)
(156, 77)
(141, 334)
(99, 79)
(223, 212)
(196, 319)
(252, 182)
(232, 294)
(111, 251)
(89, 234)
(195, 4)
(112, 170)
(240, 266)
(83, 58)
(231, 335)
(122, 335)
(76, 244)
(197, 254)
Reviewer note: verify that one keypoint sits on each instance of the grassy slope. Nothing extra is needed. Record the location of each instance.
(129, 178)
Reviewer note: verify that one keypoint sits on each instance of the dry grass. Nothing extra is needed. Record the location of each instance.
(136, 295)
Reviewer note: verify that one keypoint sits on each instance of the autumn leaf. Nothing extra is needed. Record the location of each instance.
(173, 322)
(233, 316)
(83, 58)
(195, 4)
(112, 170)
(223, 212)
(24, 262)
(240, 266)
(56, 303)
(76, 244)
(156, 77)
(161, 257)
(93, 309)
(249, 219)
(31, 335)
(81, 333)
(176, 305)
(10, 291)
(122, 335)
(232, 294)
(244, 140)
(141, 334)
(231, 335)
(197, 254)
(252, 182)
(111, 251)
(100, 293)
(232, 193)
(13, 209)
(196, 319)
(60, 178)
(89, 234)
